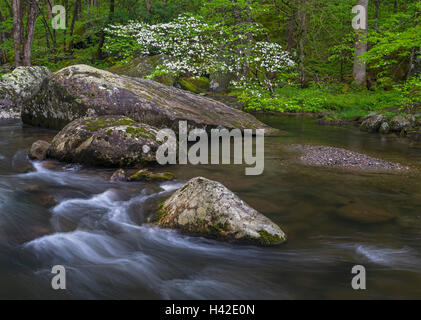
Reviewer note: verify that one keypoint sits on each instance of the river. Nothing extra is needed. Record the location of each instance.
(59, 214)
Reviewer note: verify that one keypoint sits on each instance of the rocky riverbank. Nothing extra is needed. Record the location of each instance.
(404, 125)
(326, 156)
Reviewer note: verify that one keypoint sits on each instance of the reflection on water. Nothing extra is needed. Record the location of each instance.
(99, 229)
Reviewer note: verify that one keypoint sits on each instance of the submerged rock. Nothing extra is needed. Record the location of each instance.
(81, 90)
(39, 150)
(19, 86)
(110, 141)
(363, 213)
(146, 175)
(207, 208)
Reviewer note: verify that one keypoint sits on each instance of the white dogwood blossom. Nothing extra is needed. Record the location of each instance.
(196, 48)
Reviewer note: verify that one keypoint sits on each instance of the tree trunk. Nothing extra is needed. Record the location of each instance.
(17, 31)
(65, 5)
(47, 29)
(50, 17)
(290, 30)
(2, 40)
(411, 63)
(30, 28)
(75, 16)
(99, 52)
(148, 6)
(360, 68)
(302, 16)
(377, 3)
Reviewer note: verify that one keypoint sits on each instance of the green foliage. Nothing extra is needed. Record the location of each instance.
(410, 92)
(393, 44)
(315, 100)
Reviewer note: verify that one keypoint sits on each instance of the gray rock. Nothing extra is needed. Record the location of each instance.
(80, 90)
(370, 115)
(19, 86)
(373, 123)
(109, 141)
(207, 208)
(119, 175)
(39, 150)
(397, 123)
(384, 128)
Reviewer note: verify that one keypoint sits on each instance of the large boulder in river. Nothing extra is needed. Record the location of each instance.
(109, 141)
(80, 90)
(207, 208)
(19, 86)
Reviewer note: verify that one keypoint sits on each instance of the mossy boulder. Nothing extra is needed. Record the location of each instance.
(397, 123)
(39, 150)
(146, 175)
(207, 208)
(195, 84)
(108, 141)
(19, 86)
(81, 90)
(373, 122)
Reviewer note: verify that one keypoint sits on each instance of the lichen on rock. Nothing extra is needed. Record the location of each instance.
(80, 90)
(110, 141)
(19, 86)
(207, 208)
(373, 122)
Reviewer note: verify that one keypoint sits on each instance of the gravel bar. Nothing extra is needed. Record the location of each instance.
(337, 157)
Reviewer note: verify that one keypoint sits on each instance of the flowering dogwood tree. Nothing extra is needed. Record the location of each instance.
(196, 48)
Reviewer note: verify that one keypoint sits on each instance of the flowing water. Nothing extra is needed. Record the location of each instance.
(58, 214)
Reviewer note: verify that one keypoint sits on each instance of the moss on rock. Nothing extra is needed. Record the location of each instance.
(104, 141)
(207, 208)
(146, 175)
